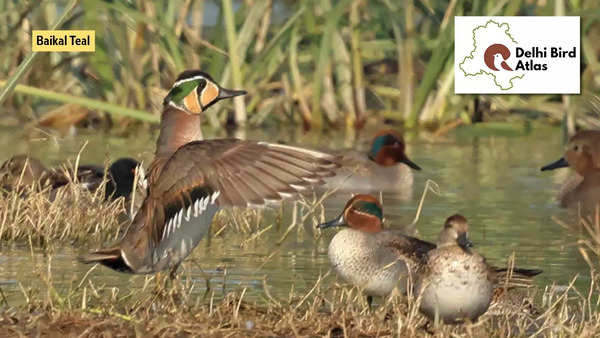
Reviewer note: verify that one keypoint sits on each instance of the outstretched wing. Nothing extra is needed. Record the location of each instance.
(246, 173)
(203, 176)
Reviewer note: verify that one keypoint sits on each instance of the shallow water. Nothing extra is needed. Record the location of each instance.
(494, 181)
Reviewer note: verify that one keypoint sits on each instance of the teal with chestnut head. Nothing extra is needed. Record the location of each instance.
(582, 154)
(365, 255)
(388, 149)
(362, 212)
(384, 167)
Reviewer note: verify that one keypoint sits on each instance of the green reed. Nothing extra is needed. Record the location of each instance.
(317, 62)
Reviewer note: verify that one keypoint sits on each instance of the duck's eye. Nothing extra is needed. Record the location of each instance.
(576, 148)
(200, 87)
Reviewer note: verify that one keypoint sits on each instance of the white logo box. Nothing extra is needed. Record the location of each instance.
(517, 55)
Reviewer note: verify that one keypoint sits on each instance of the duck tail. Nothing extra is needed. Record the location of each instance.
(527, 272)
(516, 277)
(109, 257)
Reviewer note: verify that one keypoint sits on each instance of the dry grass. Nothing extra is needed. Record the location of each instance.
(160, 307)
(40, 216)
(169, 309)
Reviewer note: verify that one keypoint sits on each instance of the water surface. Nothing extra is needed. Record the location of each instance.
(494, 181)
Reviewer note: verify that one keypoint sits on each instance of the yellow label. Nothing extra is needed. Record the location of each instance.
(63, 41)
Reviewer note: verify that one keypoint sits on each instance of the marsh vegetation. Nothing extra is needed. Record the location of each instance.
(266, 272)
(319, 65)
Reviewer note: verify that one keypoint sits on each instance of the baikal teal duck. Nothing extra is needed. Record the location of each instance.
(191, 179)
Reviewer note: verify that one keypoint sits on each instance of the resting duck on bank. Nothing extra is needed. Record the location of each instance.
(189, 180)
(378, 261)
(22, 170)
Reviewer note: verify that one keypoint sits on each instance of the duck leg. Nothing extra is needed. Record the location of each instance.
(173, 271)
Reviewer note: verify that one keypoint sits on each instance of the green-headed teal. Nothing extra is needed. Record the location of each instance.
(378, 260)
(386, 167)
(367, 256)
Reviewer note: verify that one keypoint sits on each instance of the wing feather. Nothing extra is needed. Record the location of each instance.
(203, 176)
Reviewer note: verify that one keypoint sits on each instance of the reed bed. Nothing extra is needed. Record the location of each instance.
(314, 63)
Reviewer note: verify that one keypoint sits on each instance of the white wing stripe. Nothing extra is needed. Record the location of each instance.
(179, 214)
(199, 206)
(214, 197)
(196, 208)
(315, 153)
(187, 214)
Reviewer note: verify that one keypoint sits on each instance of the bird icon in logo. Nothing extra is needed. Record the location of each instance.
(495, 57)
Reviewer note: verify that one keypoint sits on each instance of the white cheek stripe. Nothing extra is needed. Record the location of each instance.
(199, 206)
(197, 77)
(173, 104)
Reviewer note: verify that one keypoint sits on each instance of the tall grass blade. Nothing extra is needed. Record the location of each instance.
(89, 103)
(234, 61)
(325, 57)
(26, 65)
(435, 67)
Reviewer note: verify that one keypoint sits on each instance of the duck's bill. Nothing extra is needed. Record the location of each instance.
(227, 93)
(337, 222)
(561, 163)
(463, 241)
(410, 163)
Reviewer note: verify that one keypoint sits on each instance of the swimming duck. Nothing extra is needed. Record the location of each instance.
(22, 170)
(384, 168)
(583, 155)
(189, 180)
(377, 260)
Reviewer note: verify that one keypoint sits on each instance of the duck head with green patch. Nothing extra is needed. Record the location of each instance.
(362, 212)
(191, 94)
(194, 91)
(388, 149)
